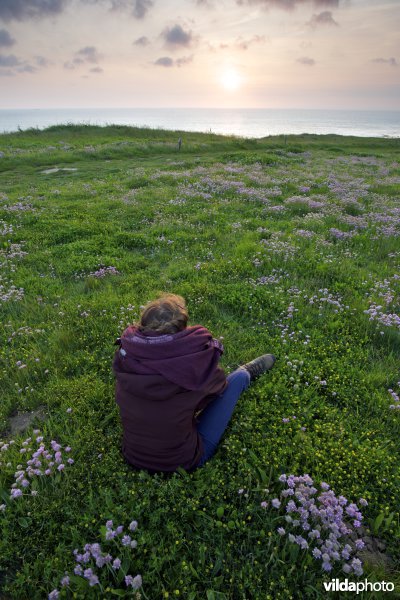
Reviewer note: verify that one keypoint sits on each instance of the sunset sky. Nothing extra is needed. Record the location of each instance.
(200, 53)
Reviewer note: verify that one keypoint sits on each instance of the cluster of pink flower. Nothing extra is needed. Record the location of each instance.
(103, 271)
(10, 293)
(92, 557)
(396, 405)
(41, 463)
(323, 521)
(387, 319)
(5, 229)
(20, 207)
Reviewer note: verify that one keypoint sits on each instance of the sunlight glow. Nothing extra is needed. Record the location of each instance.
(231, 80)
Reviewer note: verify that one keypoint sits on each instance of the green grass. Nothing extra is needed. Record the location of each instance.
(233, 226)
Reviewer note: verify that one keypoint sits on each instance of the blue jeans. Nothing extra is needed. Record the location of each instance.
(215, 417)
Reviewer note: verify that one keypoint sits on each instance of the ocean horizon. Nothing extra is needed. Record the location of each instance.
(249, 123)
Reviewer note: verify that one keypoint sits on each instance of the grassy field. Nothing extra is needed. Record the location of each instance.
(287, 245)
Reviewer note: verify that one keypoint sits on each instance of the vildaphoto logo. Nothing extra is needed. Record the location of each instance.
(337, 585)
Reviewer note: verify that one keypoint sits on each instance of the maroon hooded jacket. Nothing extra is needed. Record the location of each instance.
(162, 381)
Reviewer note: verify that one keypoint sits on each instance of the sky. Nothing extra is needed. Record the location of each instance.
(334, 54)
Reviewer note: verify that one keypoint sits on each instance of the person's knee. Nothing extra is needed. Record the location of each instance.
(240, 377)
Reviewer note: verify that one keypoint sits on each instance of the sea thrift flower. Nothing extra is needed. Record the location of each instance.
(15, 493)
(126, 540)
(110, 534)
(137, 582)
(325, 517)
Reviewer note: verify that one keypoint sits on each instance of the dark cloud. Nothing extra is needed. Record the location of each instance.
(305, 60)
(26, 9)
(164, 61)
(5, 38)
(21, 10)
(386, 61)
(10, 65)
(142, 41)
(89, 54)
(9, 61)
(177, 36)
(86, 55)
(96, 70)
(324, 18)
(167, 61)
(288, 4)
(141, 7)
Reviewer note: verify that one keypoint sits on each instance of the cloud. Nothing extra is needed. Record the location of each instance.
(386, 61)
(5, 38)
(288, 4)
(21, 10)
(96, 70)
(10, 65)
(244, 44)
(142, 41)
(9, 61)
(26, 9)
(324, 18)
(185, 60)
(141, 7)
(89, 54)
(27, 69)
(86, 55)
(176, 36)
(167, 61)
(164, 61)
(305, 60)
(41, 61)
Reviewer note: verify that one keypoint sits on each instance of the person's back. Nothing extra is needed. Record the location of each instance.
(166, 373)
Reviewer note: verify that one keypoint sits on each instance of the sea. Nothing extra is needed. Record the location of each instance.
(247, 123)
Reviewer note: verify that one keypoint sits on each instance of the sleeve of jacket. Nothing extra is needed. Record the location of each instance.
(216, 386)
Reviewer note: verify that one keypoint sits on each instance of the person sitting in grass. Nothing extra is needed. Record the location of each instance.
(175, 401)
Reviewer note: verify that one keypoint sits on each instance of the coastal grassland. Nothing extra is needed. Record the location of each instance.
(287, 245)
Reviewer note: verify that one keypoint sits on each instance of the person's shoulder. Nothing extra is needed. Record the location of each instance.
(130, 331)
(197, 330)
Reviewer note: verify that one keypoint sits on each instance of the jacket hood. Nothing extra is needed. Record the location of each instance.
(187, 358)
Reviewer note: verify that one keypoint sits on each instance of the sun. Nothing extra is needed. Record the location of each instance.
(231, 80)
